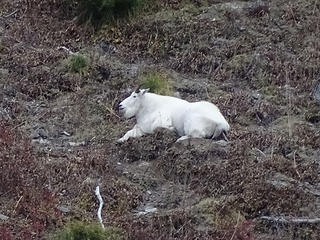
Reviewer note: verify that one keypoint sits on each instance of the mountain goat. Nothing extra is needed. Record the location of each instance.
(197, 120)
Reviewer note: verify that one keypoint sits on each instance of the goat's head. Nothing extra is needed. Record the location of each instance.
(131, 105)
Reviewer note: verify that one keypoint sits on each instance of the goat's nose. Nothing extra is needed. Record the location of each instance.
(120, 106)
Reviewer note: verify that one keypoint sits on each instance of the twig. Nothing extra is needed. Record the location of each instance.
(110, 110)
(10, 14)
(236, 226)
(295, 163)
(67, 49)
(262, 153)
(17, 204)
(289, 105)
(100, 205)
(290, 219)
(19, 125)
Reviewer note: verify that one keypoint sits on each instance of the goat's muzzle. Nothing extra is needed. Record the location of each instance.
(120, 107)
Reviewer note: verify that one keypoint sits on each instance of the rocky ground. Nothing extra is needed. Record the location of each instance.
(257, 60)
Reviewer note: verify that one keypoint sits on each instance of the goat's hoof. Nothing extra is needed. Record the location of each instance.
(120, 140)
(182, 138)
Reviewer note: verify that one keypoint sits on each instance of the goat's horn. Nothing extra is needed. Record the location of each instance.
(137, 88)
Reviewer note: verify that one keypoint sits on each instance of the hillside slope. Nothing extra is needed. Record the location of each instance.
(258, 61)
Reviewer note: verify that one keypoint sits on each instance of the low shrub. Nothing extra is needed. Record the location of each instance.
(77, 63)
(97, 12)
(17, 160)
(22, 180)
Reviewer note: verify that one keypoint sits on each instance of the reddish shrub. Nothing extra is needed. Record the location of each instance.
(17, 160)
(21, 177)
(5, 234)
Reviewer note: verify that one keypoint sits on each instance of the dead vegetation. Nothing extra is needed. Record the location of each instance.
(257, 60)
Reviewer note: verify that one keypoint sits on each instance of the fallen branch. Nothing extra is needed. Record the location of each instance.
(100, 205)
(10, 14)
(290, 219)
(17, 204)
(67, 49)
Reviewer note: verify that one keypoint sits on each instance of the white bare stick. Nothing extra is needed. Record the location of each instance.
(100, 205)
(291, 219)
(9, 15)
(67, 49)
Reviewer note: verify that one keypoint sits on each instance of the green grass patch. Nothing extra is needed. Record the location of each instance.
(157, 82)
(77, 63)
(88, 231)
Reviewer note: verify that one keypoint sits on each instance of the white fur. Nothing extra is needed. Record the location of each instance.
(197, 119)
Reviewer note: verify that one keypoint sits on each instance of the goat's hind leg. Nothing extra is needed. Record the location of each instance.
(220, 134)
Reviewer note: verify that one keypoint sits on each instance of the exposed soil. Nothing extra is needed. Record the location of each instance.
(258, 61)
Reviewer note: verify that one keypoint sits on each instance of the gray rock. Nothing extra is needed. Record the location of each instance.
(3, 217)
(77, 144)
(64, 209)
(40, 141)
(317, 93)
(281, 181)
(4, 72)
(239, 8)
(107, 47)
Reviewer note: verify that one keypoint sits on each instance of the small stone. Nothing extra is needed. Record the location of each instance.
(66, 133)
(3, 217)
(40, 141)
(4, 72)
(150, 209)
(42, 133)
(317, 93)
(63, 209)
(77, 144)
(242, 28)
(256, 96)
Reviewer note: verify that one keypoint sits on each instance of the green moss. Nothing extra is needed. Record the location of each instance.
(88, 231)
(157, 82)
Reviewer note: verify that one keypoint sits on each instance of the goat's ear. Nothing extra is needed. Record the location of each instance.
(143, 91)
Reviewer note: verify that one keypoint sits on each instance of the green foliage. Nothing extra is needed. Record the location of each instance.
(78, 64)
(98, 12)
(85, 231)
(158, 83)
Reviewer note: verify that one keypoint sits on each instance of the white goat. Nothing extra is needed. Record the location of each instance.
(197, 119)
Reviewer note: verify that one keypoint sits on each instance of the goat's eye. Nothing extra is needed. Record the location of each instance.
(134, 96)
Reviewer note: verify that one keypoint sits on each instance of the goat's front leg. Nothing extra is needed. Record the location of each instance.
(134, 132)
